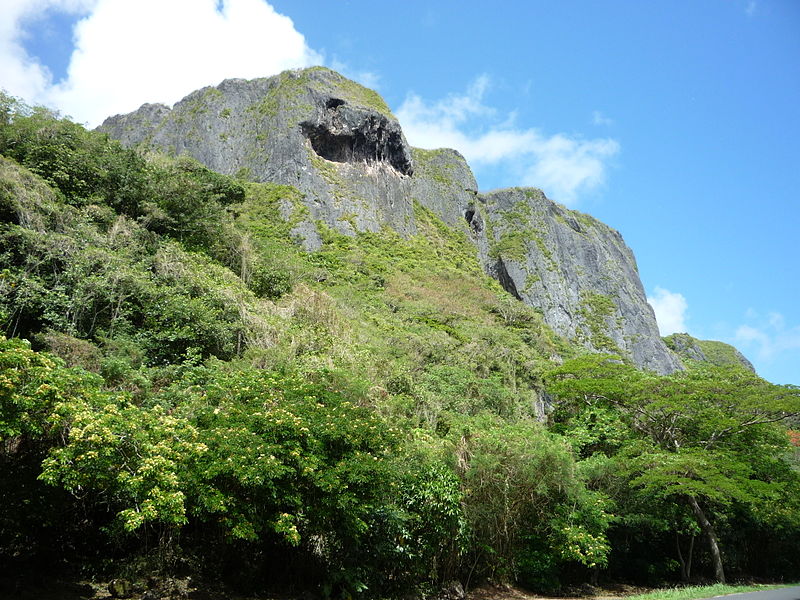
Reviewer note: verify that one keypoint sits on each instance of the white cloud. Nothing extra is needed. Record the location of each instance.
(563, 165)
(599, 118)
(670, 309)
(128, 53)
(751, 8)
(776, 321)
(748, 334)
(768, 336)
(20, 74)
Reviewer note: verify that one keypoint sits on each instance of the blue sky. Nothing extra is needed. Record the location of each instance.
(674, 122)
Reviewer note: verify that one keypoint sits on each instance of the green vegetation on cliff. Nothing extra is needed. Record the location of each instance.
(182, 388)
(292, 84)
(706, 351)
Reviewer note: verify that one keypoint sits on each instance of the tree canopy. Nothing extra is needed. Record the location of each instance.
(709, 438)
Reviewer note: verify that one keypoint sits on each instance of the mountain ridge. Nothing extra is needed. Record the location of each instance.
(710, 351)
(340, 146)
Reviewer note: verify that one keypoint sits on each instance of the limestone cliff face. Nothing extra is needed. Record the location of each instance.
(338, 143)
(577, 271)
(334, 140)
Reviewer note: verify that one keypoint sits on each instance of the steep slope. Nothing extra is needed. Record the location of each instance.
(338, 143)
(577, 271)
(187, 392)
(126, 294)
(710, 351)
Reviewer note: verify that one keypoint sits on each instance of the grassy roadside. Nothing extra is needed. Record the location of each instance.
(703, 591)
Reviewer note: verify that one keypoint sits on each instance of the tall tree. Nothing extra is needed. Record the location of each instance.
(705, 438)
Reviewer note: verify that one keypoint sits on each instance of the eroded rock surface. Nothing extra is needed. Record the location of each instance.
(349, 135)
(334, 140)
(340, 146)
(577, 271)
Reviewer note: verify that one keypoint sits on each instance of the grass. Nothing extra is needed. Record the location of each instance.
(703, 591)
(437, 165)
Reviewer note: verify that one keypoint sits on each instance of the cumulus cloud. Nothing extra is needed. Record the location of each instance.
(670, 309)
(599, 118)
(20, 74)
(128, 53)
(768, 335)
(563, 165)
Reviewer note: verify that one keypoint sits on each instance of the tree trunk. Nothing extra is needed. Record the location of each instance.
(686, 563)
(708, 530)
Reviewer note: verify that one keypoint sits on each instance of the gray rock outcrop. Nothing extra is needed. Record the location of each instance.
(577, 271)
(340, 146)
(334, 140)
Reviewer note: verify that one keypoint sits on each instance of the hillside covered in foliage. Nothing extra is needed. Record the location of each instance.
(184, 389)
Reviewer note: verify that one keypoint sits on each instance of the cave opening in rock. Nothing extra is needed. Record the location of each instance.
(368, 143)
(474, 220)
(334, 102)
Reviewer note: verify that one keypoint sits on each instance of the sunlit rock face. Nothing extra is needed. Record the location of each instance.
(340, 146)
(334, 140)
(578, 271)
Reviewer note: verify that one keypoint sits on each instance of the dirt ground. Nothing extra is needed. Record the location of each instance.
(184, 590)
(507, 592)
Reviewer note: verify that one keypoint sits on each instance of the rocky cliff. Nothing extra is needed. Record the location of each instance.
(710, 351)
(577, 271)
(339, 144)
(334, 140)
